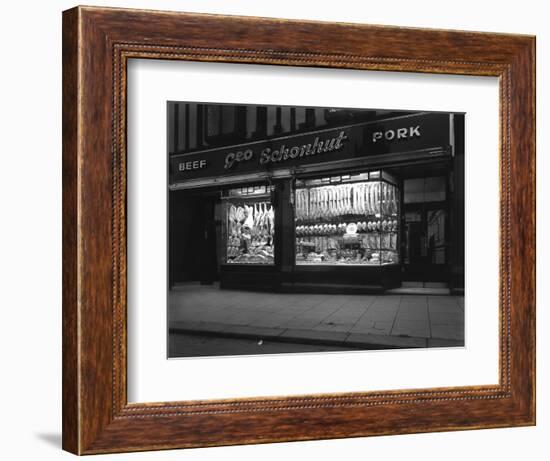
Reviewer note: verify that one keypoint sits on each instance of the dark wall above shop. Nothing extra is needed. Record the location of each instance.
(196, 126)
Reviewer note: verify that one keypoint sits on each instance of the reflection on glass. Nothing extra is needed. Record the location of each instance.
(436, 236)
(250, 226)
(347, 220)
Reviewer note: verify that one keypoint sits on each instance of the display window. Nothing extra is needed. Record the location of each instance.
(347, 220)
(249, 225)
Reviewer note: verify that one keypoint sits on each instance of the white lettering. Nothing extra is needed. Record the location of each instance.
(414, 131)
(229, 160)
(401, 133)
(192, 165)
(267, 155)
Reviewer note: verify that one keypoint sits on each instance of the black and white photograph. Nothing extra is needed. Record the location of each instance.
(313, 229)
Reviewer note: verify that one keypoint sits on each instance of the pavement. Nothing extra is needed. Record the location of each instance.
(197, 345)
(342, 321)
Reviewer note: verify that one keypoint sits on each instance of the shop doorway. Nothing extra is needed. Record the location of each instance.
(425, 243)
(425, 238)
(194, 233)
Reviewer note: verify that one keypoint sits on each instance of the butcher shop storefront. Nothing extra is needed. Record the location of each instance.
(360, 207)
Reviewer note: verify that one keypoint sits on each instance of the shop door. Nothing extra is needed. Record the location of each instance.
(424, 244)
(193, 239)
(206, 242)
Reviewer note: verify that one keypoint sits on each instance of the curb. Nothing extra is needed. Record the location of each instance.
(364, 341)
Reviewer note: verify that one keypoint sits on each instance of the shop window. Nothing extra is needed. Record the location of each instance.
(347, 220)
(249, 225)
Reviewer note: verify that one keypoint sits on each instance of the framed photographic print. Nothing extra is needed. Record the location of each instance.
(294, 242)
(282, 230)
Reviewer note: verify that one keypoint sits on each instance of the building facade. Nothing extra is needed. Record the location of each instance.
(315, 199)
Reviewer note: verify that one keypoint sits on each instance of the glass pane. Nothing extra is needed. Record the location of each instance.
(413, 190)
(413, 216)
(434, 189)
(350, 221)
(436, 237)
(419, 190)
(250, 231)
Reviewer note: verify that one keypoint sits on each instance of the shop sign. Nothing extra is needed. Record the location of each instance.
(285, 153)
(401, 134)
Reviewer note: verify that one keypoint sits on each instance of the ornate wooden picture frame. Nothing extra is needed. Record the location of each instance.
(97, 44)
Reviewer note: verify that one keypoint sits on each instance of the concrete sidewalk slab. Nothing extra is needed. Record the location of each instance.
(357, 321)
